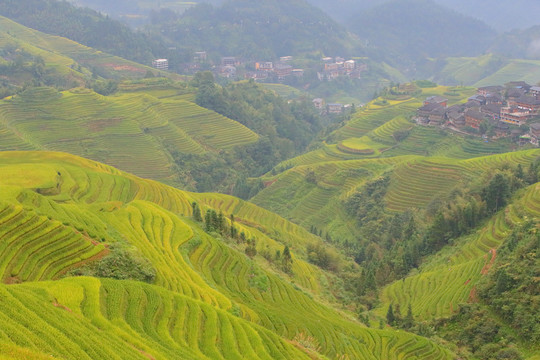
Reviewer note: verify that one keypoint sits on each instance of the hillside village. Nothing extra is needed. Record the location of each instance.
(230, 67)
(493, 112)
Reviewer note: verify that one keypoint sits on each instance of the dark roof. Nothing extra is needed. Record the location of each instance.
(492, 88)
(479, 98)
(529, 100)
(470, 104)
(518, 85)
(494, 98)
(456, 108)
(438, 111)
(430, 107)
(515, 93)
(475, 114)
(436, 99)
(492, 108)
(501, 125)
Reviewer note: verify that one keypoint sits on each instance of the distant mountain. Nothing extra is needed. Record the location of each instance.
(262, 29)
(519, 43)
(409, 30)
(501, 15)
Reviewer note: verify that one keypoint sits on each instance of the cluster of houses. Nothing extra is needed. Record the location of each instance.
(280, 70)
(331, 108)
(493, 107)
(233, 67)
(336, 67)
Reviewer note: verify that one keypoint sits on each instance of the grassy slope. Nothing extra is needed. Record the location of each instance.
(135, 132)
(188, 311)
(489, 70)
(66, 55)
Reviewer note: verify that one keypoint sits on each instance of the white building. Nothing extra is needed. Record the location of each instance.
(161, 64)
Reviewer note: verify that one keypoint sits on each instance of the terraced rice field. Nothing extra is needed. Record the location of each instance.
(33, 247)
(188, 312)
(449, 280)
(371, 117)
(133, 132)
(385, 132)
(64, 53)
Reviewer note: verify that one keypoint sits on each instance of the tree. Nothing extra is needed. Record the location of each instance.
(390, 318)
(286, 260)
(409, 318)
(496, 193)
(196, 212)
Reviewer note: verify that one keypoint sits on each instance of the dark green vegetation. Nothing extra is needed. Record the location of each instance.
(256, 30)
(285, 130)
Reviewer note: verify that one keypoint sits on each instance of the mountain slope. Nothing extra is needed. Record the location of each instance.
(135, 132)
(261, 30)
(414, 29)
(71, 59)
(207, 300)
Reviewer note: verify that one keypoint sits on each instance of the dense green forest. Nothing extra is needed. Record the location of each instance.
(255, 30)
(285, 130)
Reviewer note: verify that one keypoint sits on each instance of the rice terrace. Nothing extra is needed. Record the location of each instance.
(288, 180)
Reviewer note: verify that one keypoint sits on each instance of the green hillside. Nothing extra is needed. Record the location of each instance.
(68, 57)
(206, 300)
(484, 70)
(134, 132)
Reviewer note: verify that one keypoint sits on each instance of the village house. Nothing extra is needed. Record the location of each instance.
(229, 61)
(535, 91)
(478, 99)
(319, 104)
(285, 58)
(423, 113)
(534, 132)
(514, 115)
(437, 116)
(528, 103)
(160, 64)
(493, 111)
(456, 118)
(334, 108)
(282, 70)
(227, 71)
(298, 72)
(522, 85)
(474, 118)
(494, 99)
(200, 56)
(256, 75)
(500, 128)
(436, 100)
(264, 66)
(515, 93)
(487, 90)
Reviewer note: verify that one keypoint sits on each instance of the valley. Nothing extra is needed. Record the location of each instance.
(263, 198)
